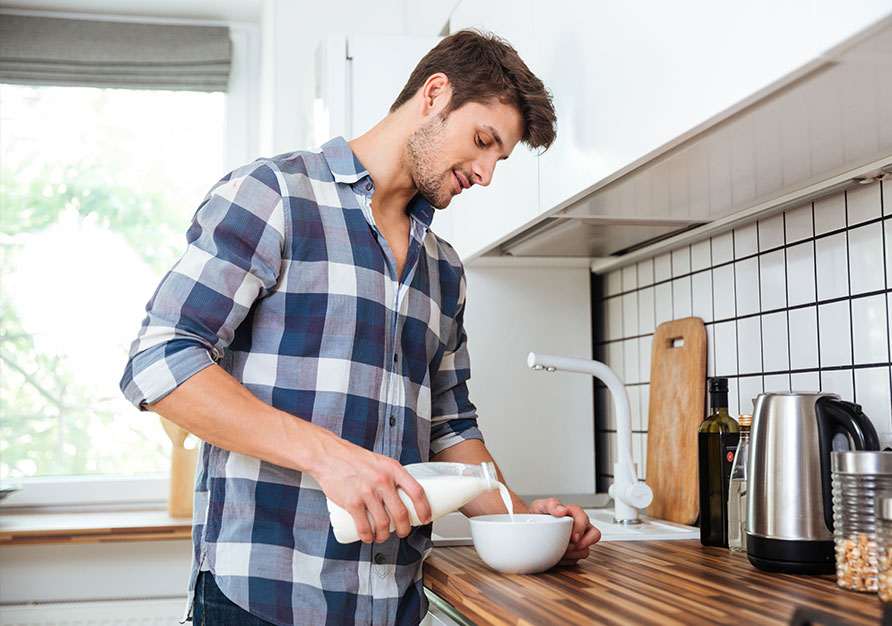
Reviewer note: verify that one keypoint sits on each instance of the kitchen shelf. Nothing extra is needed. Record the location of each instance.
(91, 527)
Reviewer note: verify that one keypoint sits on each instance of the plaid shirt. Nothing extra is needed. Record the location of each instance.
(289, 285)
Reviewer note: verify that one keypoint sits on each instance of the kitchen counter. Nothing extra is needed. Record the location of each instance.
(640, 582)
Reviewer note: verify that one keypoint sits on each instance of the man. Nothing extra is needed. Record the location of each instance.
(312, 336)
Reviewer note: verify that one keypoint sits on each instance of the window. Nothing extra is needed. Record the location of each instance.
(97, 187)
(149, 157)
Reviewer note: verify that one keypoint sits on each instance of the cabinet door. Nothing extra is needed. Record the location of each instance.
(629, 77)
(482, 216)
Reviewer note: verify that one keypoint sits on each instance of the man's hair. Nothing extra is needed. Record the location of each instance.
(484, 68)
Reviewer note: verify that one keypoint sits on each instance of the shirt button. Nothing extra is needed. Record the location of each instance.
(368, 186)
(379, 558)
(392, 420)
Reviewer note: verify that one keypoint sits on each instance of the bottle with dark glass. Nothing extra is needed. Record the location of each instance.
(717, 440)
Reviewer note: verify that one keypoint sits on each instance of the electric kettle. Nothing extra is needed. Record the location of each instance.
(789, 521)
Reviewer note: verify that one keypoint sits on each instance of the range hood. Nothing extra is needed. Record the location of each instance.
(819, 130)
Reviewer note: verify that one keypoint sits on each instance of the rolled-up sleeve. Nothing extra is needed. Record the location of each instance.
(233, 256)
(453, 415)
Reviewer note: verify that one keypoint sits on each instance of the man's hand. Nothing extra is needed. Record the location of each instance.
(365, 483)
(583, 534)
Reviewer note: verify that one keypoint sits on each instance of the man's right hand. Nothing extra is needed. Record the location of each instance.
(365, 483)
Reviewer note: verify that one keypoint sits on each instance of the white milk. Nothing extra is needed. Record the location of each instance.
(506, 499)
(444, 493)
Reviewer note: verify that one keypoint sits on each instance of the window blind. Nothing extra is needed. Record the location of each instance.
(94, 53)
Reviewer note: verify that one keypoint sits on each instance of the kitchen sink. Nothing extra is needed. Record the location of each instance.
(454, 529)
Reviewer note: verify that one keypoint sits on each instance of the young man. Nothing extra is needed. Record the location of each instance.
(311, 335)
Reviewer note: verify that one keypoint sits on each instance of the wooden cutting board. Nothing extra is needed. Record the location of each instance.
(676, 408)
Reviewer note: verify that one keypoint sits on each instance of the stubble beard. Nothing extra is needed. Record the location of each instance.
(421, 150)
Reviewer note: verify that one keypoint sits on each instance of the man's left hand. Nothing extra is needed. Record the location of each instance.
(583, 535)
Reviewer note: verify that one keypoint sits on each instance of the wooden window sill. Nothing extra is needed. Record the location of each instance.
(91, 527)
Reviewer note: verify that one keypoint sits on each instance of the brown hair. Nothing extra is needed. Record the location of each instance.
(482, 67)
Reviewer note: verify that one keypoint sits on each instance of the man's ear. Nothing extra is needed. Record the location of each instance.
(435, 93)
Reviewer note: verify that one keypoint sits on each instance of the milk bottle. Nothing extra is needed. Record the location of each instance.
(448, 486)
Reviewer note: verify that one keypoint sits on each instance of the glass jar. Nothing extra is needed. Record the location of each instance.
(884, 547)
(858, 477)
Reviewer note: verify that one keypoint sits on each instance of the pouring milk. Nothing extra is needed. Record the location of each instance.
(448, 487)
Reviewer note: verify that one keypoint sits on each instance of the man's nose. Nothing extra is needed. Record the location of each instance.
(483, 171)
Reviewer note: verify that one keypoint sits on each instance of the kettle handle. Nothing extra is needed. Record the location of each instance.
(838, 416)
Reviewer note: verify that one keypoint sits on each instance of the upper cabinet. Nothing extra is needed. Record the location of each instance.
(709, 108)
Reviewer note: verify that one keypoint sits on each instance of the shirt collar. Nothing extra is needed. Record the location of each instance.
(344, 165)
(346, 168)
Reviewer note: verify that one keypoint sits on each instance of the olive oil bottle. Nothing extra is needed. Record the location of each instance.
(717, 440)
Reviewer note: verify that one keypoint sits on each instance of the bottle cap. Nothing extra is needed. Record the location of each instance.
(718, 385)
(745, 420)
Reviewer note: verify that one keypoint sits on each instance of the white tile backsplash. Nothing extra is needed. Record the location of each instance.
(803, 338)
(726, 349)
(872, 393)
(838, 382)
(746, 275)
(798, 224)
(630, 314)
(771, 232)
(722, 248)
(681, 297)
(773, 279)
(749, 345)
(869, 328)
(866, 258)
(830, 214)
(681, 261)
(701, 256)
(663, 267)
(662, 303)
(775, 355)
(746, 241)
(832, 267)
(834, 334)
(863, 204)
(646, 310)
(795, 301)
(701, 295)
(723, 292)
(646, 273)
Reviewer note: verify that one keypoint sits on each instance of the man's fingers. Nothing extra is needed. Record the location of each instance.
(399, 513)
(549, 506)
(415, 491)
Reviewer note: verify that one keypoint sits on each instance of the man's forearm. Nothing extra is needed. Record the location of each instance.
(216, 408)
(474, 452)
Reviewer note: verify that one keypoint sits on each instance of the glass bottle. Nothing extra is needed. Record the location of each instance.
(737, 489)
(717, 440)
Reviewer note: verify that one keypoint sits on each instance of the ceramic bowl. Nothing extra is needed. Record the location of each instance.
(529, 544)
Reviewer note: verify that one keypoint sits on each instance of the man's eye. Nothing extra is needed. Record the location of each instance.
(480, 142)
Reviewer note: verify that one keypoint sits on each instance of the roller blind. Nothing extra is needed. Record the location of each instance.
(93, 53)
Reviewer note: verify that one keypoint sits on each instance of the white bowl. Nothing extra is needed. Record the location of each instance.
(529, 544)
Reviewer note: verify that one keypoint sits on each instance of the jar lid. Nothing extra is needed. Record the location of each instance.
(884, 508)
(745, 420)
(861, 462)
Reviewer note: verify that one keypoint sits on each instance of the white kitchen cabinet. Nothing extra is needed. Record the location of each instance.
(483, 215)
(630, 79)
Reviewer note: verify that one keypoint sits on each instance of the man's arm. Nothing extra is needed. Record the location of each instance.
(473, 451)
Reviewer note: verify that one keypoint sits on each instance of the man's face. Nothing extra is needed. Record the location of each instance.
(446, 156)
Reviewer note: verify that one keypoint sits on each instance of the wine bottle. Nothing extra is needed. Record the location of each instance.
(717, 440)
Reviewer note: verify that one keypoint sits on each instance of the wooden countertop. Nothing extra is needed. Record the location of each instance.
(640, 582)
(92, 527)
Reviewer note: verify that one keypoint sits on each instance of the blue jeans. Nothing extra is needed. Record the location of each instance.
(212, 608)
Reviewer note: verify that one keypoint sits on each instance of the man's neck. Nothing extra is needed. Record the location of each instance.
(380, 150)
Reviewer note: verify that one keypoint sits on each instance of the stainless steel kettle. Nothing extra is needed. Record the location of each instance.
(789, 521)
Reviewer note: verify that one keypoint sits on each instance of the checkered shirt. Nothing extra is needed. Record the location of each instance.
(288, 284)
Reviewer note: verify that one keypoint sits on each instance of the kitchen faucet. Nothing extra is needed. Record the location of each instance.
(628, 493)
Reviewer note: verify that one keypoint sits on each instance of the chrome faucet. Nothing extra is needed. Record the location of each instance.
(629, 494)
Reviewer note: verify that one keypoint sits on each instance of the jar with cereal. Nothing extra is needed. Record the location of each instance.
(884, 548)
(858, 478)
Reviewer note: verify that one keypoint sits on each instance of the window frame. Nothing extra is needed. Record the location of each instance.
(241, 122)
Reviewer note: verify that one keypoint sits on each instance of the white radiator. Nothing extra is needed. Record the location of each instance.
(137, 612)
